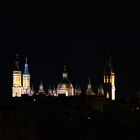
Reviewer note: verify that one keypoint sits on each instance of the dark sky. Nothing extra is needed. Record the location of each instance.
(52, 35)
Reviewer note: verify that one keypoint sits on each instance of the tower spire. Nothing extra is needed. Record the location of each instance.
(26, 60)
(26, 70)
(89, 82)
(64, 68)
(108, 62)
(17, 63)
(41, 88)
(89, 88)
(65, 74)
(32, 90)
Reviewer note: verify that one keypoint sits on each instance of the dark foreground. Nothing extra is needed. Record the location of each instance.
(74, 118)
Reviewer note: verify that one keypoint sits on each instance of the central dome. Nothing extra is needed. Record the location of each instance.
(65, 86)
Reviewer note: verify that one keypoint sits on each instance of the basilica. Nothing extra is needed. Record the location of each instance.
(21, 83)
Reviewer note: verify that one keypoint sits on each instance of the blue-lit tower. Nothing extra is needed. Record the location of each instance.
(26, 79)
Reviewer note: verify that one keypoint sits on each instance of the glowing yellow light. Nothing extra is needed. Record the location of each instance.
(107, 79)
(113, 80)
(110, 80)
(113, 93)
(17, 87)
(107, 95)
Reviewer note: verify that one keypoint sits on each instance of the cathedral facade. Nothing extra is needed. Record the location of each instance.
(21, 84)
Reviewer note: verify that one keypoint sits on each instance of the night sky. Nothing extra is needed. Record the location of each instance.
(79, 36)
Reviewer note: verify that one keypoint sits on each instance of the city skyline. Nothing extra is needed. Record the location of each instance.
(22, 83)
(69, 70)
(53, 72)
(51, 37)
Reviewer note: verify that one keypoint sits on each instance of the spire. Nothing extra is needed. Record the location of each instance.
(100, 90)
(50, 90)
(17, 63)
(32, 91)
(41, 84)
(89, 82)
(89, 86)
(65, 75)
(64, 68)
(77, 90)
(26, 71)
(54, 90)
(108, 64)
(26, 60)
(41, 88)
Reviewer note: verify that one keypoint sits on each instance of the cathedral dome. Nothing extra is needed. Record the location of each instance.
(64, 83)
(65, 86)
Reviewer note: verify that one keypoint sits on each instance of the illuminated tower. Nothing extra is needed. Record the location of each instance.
(17, 85)
(109, 79)
(26, 79)
(89, 88)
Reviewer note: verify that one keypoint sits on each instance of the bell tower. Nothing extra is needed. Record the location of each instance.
(109, 79)
(26, 79)
(17, 80)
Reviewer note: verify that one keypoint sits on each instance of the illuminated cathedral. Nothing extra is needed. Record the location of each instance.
(21, 84)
